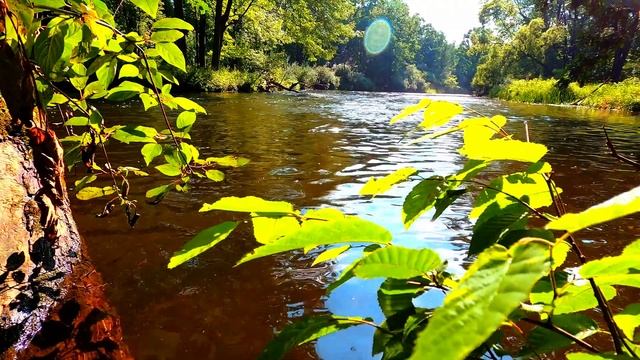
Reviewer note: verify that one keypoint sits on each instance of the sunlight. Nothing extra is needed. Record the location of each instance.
(377, 36)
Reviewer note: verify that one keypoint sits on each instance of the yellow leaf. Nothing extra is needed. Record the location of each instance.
(410, 110)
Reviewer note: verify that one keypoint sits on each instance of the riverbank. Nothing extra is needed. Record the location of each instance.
(623, 96)
(295, 77)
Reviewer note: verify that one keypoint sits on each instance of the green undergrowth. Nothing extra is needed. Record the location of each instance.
(624, 95)
(293, 77)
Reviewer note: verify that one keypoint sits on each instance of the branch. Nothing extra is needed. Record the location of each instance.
(607, 314)
(241, 16)
(557, 330)
(615, 154)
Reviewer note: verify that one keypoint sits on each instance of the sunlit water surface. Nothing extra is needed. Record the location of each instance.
(315, 150)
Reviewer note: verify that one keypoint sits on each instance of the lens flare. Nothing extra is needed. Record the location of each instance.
(377, 36)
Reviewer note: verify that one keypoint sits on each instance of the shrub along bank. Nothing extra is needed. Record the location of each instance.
(624, 95)
(293, 77)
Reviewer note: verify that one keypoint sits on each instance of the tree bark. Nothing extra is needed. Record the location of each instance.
(201, 35)
(219, 28)
(178, 8)
(621, 54)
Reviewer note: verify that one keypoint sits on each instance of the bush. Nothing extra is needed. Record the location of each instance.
(415, 80)
(326, 78)
(536, 91)
(201, 79)
(306, 76)
(228, 80)
(351, 80)
(624, 95)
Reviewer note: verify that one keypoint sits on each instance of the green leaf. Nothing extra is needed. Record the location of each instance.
(313, 233)
(129, 70)
(422, 198)
(491, 125)
(79, 79)
(229, 161)
(150, 152)
(574, 298)
(513, 236)
(306, 330)
(185, 119)
(494, 223)
(249, 204)
(379, 186)
(628, 320)
(159, 192)
(169, 169)
(79, 184)
(166, 35)
(135, 134)
(49, 47)
(440, 113)
(397, 263)
(215, 175)
(94, 90)
(619, 206)
(189, 105)
(202, 242)
(148, 101)
(585, 356)
(172, 23)
(542, 340)
(530, 188)
(615, 270)
(330, 254)
(106, 72)
(410, 110)
(77, 121)
(396, 296)
(148, 6)
(125, 91)
(503, 149)
(171, 53)
(493, 287)
(49, 3)
(443, 202)
(89, 193)
(268, 228)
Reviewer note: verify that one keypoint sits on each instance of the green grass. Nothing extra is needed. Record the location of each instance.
(619, 96)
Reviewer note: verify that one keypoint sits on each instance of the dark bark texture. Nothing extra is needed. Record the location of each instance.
(52, 299)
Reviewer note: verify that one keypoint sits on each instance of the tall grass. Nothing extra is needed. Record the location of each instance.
(619, 96)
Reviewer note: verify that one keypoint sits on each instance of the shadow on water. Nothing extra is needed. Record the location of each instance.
(313, 150)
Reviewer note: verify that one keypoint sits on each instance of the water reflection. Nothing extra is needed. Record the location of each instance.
(314, 150)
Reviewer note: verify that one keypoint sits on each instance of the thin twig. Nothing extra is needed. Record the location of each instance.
(102, 145)
(597, 292)
(615, 153)
(155, 90)
(560, 331)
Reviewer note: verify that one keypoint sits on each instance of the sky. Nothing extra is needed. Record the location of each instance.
(453, 17)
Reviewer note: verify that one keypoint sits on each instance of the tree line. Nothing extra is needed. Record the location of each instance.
(569, 40)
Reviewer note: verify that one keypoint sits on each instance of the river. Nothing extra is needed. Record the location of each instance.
(314, 149)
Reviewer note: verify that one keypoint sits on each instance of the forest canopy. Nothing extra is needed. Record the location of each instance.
(302, 43)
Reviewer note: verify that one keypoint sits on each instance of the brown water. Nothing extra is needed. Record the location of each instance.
(314, 150)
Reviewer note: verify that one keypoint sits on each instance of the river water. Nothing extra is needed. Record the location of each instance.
(314, 150)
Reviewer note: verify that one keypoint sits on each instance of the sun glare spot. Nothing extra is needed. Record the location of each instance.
(377, 36)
